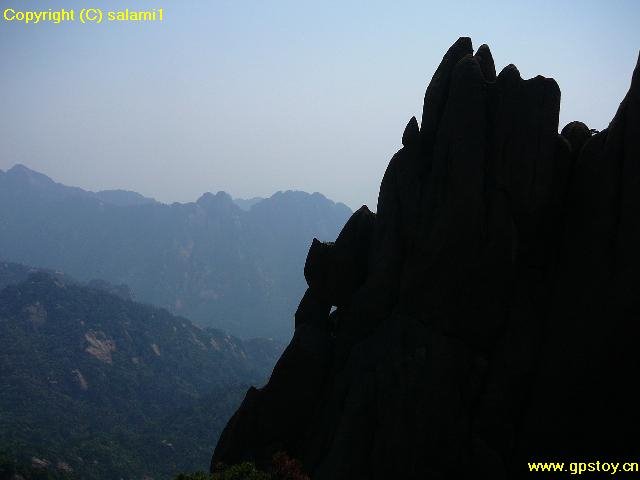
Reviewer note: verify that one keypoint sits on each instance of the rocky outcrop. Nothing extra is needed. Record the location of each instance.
(487, 314)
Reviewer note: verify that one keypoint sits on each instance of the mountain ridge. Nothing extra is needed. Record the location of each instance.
(208, 260)
(106, 387)
(122, 197)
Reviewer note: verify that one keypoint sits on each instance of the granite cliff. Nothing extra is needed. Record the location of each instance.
(487, 315)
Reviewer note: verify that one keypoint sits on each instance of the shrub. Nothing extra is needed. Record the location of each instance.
(242, 471)
(287, 468)
(283, 468)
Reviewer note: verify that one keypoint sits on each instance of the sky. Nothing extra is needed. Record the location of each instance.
(252, 97)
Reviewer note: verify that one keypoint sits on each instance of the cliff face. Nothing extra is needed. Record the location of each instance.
(487, 315)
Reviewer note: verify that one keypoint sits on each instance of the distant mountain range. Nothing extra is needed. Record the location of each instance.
(229, 264)
(98, 386)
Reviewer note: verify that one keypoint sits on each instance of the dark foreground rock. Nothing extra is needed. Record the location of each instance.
(487, 315)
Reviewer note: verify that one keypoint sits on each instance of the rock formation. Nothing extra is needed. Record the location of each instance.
(487, 315)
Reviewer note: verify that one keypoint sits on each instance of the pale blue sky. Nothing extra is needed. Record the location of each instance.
(257, 96)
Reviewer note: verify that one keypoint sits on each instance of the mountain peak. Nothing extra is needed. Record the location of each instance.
(220, 200)
(25, 181)
(18, 167)
(482, 313)
(20, 170)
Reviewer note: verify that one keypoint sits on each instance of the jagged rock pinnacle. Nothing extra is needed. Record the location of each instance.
(486, 309)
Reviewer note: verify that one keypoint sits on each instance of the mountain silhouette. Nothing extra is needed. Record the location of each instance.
(486, 316)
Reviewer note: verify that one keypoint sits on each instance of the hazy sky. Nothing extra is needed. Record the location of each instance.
(251, 97)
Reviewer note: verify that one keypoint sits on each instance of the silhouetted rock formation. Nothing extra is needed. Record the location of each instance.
(487, 315)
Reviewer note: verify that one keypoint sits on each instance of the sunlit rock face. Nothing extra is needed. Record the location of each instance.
(487, 314)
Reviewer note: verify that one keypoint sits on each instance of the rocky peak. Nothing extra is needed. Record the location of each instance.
(220, 198)
(486, 309)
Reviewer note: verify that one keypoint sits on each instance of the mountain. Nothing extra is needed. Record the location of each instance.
(209, 260)
(20, 178)
(14, 273)
(98, 386)
(487, 315)
(123, 198)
